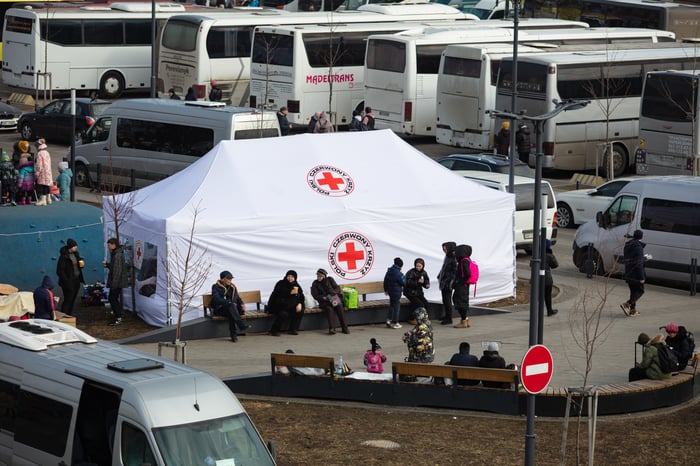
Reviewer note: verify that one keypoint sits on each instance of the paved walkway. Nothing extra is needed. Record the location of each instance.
(614, 353)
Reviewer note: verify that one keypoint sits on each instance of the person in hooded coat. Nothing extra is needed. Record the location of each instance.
(287, 302)
(70, 274)
(43, 177)
(420, 338)
(635, 275)
(117, 278)
(65, 174)
(492, 360)
(44, 303)
(394, 282)
(523, 143)
(446, 279)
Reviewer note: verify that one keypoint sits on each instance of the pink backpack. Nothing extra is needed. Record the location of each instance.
(473, 273)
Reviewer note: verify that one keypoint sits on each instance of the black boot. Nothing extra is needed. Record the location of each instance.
(331, 331)
(346, 330)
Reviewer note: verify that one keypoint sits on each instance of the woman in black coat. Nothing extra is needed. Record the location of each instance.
(287, 303)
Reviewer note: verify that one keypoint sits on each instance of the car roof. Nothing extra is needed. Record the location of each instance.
(87, 100)
(502, 178)
(494, 159)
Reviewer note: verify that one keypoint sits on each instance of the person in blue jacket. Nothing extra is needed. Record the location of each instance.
(394, 282)
(44, 303)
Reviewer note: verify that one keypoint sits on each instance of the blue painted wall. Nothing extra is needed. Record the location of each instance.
(31, 238)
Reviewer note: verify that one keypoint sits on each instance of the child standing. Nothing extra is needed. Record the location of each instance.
(394, 281)
(26, 178)
(8, 178)
(63, 180)
(374, 358)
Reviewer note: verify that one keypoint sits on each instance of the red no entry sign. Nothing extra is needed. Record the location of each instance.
(536, 369)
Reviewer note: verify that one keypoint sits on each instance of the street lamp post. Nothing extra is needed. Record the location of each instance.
(538, 123)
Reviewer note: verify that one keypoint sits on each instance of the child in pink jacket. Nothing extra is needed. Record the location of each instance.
(374, 358)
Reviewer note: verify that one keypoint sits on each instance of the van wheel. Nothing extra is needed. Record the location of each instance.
(111, 85)
(620, 160)
(82, 175)
(565, 217)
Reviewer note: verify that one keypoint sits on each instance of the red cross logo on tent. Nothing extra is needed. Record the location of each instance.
(330, 181)
(351, 255)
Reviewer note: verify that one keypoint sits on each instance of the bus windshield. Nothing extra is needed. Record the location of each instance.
(230, 440)
(669, 97)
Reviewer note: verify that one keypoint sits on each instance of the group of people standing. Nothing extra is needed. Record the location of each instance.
(28, 179)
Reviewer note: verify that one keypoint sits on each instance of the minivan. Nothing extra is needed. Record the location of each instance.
(68, 398)
(665, 208)
(150, 139)
(524, 203)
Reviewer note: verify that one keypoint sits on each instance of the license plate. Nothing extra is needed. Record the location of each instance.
(527, 234)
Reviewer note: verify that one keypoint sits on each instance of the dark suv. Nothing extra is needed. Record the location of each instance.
(485, 163)
(53, 122)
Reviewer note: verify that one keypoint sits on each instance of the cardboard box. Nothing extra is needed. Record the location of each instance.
(65, 318)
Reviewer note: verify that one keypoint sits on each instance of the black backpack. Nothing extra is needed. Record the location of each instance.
(691, 338)
(667, 360)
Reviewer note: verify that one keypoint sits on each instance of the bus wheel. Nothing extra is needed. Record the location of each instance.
(619, 159)
(111, 85)
(82, 176)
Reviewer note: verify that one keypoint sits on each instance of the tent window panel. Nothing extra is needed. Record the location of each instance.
(164, 137)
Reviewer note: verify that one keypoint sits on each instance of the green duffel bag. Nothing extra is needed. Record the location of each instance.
(350, 297)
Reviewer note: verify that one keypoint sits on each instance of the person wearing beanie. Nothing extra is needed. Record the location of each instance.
(635, 275)
(416, 280)
(446, 279)
(43, 176)
(19, 148)
(394, 282)
(328, 294)
(8, 178)
(70, 274)
(225, 301)
(287, 302)
(502, 139)
(44, 300)
(650, 367)
(460, 298)
(678, 342)
(65, 174)
(550, 262)
(374, 358)
(493, 360)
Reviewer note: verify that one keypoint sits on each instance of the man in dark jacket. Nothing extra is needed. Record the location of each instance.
(634, 271)
(44, 303)
(463, 358)
(446, 279)
(70, 274)
(463, 254)
(288, 303)
(117, 278)
(523, 143)
(394, 282)
(225, 301)
(283, 121)
(491, 359)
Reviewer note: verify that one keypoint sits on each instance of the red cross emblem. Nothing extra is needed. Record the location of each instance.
(351, 255)
(330, 181)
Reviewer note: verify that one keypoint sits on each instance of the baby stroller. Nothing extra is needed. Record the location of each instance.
(94, 294)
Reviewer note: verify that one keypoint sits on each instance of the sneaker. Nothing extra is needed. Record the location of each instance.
(625, 308)
(116, 322)
(554, 312)
(634, 313)
(388, 324)
(293, 332)
(396, 325)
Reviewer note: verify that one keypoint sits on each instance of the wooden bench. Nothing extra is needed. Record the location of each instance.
(326, 363)
(455, 373)
(369, 288)
(248, 297)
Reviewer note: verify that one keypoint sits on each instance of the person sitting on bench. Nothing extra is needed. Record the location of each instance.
(225, 301)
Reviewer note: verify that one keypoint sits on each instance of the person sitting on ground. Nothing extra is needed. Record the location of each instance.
(225, 301)
(327, 293)
(420, 338)
(463, 358)
(650, 367)
(374, 358)
(678, 342)
(492, 360)
(287, 302)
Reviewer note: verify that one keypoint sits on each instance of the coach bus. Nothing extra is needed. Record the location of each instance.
(669, 131)
(606, 130)
(194, 50)
(466, 84)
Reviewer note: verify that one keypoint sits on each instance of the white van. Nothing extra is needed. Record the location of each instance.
(665, 208)
(67, 398)
(524, 203)
(154, 138)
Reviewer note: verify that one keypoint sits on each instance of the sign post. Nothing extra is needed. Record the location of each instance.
(536, 369)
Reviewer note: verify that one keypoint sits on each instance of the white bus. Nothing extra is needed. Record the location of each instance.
(669, 131)
(401, 69)
(611, 80)
(466, 84)
(194, 50)
(96, 47)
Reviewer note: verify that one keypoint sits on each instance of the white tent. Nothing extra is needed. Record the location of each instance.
(347, 202)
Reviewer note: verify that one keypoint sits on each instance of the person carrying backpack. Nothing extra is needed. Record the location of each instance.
(678, 341)
(368, 120)
(650, 367)
(461, 284)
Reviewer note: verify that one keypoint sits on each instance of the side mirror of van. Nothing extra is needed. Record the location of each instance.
(600, 219)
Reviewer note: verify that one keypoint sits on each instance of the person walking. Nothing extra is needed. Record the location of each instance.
(283, 121)
(327, 293)
(446, 279)
(502, 139)
(523, 143)
(43, 177)
(226, 301)
(635, 275)
(550, 262)
(394, 282)
(70, 274)
(117, 279)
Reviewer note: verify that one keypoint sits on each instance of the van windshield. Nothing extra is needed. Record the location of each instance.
(231, 440)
